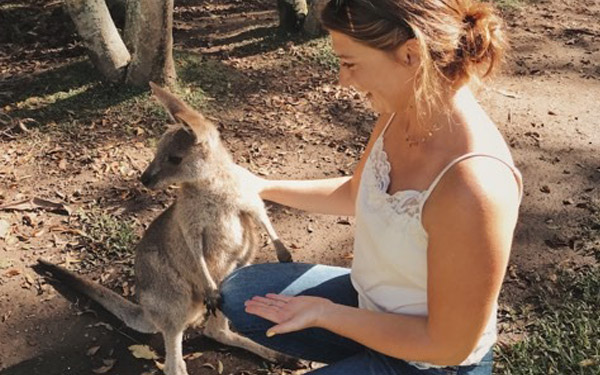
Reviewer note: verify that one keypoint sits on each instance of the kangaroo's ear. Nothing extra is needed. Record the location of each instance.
(179, 111)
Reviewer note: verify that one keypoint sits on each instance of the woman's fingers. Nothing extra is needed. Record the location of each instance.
(279, 297)
(264, 311)
(268, 301)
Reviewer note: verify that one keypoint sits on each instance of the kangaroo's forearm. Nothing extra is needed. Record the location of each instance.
(327, 196)
(201, 276)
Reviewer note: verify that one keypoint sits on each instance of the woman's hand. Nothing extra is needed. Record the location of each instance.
(289, 313)
(249, 180)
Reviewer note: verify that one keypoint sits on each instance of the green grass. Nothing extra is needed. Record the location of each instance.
(321, 51)
(200, 78)
(67, 97)
(563, 337)
(108, 236)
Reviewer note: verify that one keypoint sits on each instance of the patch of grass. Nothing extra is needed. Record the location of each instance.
(564, 336)
(322, 53)
(200, 78)
(108, 236)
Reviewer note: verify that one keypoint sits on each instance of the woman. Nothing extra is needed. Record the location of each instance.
(435, 196)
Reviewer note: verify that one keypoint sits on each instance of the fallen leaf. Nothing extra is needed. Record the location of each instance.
(4, 227)
(587, 362)
(208, 365)
(142, 351)
(105, 325)
(29, 280)
(37, 203)
(92, 351)
(220, 367)
(192, 356)
(5, 263)
(108, 365)
(12, 272)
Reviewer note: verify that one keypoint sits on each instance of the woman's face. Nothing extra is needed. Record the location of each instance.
(386, 78)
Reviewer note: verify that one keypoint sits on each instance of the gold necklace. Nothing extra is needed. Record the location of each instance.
(416, 141)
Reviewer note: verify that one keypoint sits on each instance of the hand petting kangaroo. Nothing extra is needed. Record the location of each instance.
(192, 246)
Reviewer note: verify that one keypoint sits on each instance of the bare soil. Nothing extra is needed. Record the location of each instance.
(69, 139)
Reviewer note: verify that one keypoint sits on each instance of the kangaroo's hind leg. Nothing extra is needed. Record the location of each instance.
(172, 322)
(174, 363)
(217, 328)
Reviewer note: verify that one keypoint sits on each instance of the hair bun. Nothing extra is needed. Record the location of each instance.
(482, 36)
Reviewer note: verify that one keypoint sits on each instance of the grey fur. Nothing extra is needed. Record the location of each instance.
(190, 248)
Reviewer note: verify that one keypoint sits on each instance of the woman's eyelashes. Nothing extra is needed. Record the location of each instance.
(347, 65)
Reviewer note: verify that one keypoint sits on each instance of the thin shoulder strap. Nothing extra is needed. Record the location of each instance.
(388, 124)
(515, 171)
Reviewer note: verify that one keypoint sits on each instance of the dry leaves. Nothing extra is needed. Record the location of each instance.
(108, 365)
(37, 203)
(143, 352)
(192, 356)
(92, 351)
(4, 227)
(12, 272)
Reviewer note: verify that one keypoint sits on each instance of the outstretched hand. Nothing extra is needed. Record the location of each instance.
(249, 180)
(289, 313)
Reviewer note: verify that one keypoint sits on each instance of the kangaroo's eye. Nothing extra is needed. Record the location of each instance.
(175, 160)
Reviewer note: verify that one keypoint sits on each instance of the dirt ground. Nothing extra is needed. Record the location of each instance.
(281, 114)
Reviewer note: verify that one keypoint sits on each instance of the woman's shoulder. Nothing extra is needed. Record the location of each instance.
(478, 186)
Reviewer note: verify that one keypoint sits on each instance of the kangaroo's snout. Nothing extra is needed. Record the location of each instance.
(147, 179)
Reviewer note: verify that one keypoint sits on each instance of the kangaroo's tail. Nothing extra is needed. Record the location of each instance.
(130, 313)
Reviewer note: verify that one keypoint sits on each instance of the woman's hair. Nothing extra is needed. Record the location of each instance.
(458, 39)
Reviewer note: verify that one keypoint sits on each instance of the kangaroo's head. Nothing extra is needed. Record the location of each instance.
(188, 151)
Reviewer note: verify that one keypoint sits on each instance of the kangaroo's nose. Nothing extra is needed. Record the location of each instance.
(146, 178)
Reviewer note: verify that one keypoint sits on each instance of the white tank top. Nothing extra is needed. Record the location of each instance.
(389, 270)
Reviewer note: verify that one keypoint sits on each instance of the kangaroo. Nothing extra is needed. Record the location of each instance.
(187, 251)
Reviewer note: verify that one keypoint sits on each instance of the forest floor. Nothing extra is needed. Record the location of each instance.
(72, 149)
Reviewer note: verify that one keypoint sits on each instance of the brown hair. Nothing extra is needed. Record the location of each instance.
(459, 39)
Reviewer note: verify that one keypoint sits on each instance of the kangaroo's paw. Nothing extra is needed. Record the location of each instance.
(213, 301)
(283, 254)
(291, 363)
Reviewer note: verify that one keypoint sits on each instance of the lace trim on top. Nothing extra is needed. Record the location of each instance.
(407, 203)
(403, 202)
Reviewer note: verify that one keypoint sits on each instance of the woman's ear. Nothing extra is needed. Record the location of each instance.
(409, 53)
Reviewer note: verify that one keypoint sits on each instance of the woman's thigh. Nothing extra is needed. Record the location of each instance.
(313, 344)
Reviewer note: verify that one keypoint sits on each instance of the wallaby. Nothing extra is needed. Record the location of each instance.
(187, 251)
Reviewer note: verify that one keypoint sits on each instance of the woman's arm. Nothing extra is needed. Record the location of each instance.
(327, 196)
(470, 218)
(334, 196)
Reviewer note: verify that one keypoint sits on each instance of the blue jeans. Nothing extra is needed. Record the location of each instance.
(342, 355)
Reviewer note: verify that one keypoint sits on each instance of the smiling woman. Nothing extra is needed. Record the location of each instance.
(435, 196)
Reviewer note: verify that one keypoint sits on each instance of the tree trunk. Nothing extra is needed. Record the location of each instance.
(312, 24)
(100, 36)
(301, 15)
(292, 14)
(148, 34)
